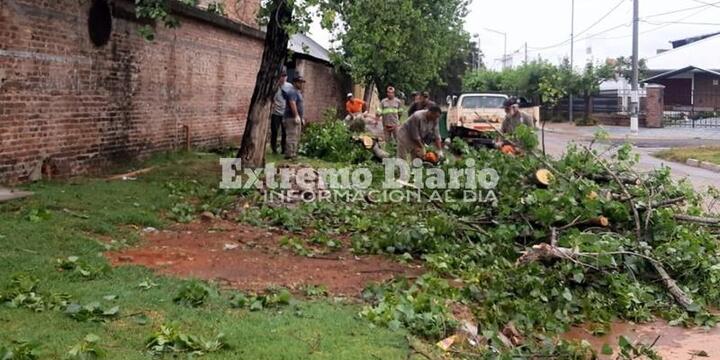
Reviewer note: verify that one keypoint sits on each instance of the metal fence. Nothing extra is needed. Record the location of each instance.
(598, 104)
(691, 120)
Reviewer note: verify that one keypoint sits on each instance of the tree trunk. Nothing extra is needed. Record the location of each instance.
(367, 97)
(252, 149)
(588, 108)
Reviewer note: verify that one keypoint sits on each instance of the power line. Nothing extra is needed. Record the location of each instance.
(586, 29)
(602, 18)
(680, 23)
(705, 4)
(654, 29)
(665, 24)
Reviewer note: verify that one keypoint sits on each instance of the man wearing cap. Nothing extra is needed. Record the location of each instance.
(421, 128)
(422, 102)
(389, 111)
(514, 117)
(293, 121)
(278, 113)
(355, 107)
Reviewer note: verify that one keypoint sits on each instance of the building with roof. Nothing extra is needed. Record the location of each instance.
(325, 87)
(690, 73)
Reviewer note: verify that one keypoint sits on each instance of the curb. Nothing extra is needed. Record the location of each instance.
(628, 138)
(703, 165)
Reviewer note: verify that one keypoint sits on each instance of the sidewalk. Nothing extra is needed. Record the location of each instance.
(663, 137)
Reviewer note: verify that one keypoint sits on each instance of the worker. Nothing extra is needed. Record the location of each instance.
(389, 111)
(514, 117)
(423, 127)
(278, 113)
(294, 112)
(422, 103)
(354, 106)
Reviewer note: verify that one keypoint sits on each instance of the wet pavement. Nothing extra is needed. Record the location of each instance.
(556, 143)
(670, 342)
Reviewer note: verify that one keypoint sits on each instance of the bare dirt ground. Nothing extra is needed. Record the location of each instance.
(252, 259)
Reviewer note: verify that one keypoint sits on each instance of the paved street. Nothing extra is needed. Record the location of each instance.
(700, 178)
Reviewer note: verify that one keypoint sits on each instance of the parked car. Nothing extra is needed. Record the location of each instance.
(476, 117)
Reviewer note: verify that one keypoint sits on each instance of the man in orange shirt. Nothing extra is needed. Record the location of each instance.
(355, 107)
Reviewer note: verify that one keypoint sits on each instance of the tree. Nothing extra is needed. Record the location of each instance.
(405, 43)
(252, 148)
(451, 77)
(588, 82)
(524, 80)
(623, 67)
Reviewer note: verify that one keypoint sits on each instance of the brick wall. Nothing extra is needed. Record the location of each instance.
(655, 105)
(324, 88)
(68, 107)
(244, 11)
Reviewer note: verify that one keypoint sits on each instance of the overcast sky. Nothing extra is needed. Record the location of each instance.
(603, 28)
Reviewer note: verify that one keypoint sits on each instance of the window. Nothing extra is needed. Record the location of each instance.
(483, 102)
(716, 82)
(99, 22)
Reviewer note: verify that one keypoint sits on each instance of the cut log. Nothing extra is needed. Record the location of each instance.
(601, 221)
(543, 177)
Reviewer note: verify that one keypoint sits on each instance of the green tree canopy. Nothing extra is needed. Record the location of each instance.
(405, 43)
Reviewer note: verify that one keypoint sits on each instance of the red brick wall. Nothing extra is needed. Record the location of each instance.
(323, 90)
(73, 106)
(244, 11)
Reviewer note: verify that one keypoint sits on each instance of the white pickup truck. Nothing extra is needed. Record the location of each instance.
(475, 117)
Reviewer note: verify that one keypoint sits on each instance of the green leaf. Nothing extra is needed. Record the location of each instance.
(607, 349)
(624, 343)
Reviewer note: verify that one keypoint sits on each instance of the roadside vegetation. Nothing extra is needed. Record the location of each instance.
(61, 299)
(703, 153)
(587, 243)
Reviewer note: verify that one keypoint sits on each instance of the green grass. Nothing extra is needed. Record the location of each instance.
(85, 213)
(704, 153)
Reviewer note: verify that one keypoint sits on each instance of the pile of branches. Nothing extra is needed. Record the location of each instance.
(584, 238)
(580, 239)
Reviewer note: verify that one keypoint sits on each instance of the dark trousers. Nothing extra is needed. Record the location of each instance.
(276, 125)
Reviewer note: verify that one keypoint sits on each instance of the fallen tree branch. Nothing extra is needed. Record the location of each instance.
(545, 252)
(698, 219)
(609, 178)
(680, 297)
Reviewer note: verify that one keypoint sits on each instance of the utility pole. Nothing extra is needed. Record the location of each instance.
(505, 54)
(572, 58)
(635, 96)
(526, 53)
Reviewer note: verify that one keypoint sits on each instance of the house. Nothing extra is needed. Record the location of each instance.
(690, 73)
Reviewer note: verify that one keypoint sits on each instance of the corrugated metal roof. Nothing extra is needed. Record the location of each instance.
(702, 54)
(303, 44)
(680, 71)
(682, 42)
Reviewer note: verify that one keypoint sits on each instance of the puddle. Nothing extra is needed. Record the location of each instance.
(675, 343)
